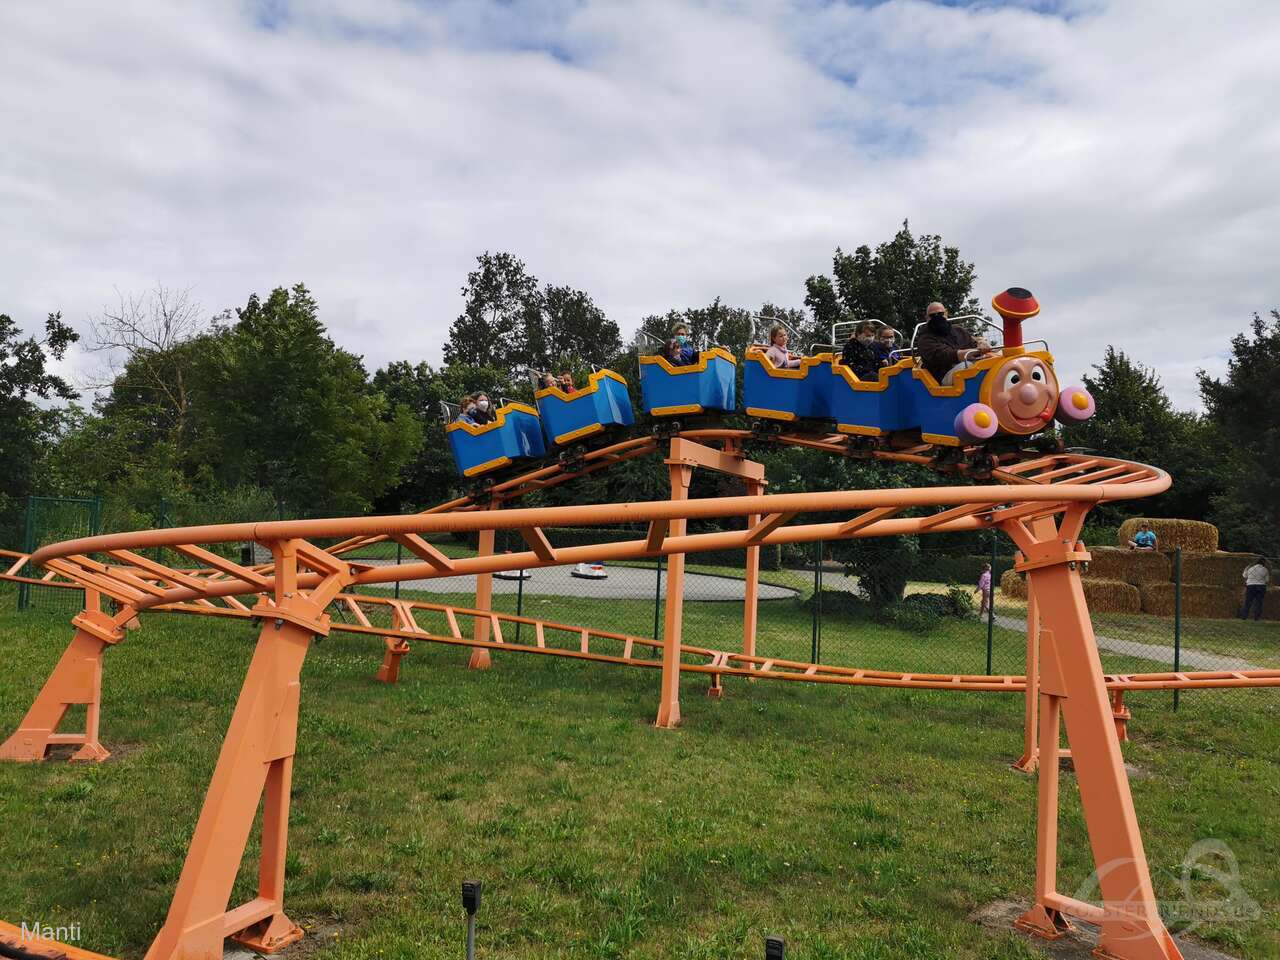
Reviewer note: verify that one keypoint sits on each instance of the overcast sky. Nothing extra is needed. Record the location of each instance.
(1122, 160)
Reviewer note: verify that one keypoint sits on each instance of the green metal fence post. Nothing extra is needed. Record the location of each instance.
(28, 547)
(95, 517)
(1177, 618)
(399, 556)
(991, 604)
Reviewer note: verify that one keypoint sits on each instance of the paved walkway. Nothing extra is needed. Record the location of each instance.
(1190, 659)
(623, 583)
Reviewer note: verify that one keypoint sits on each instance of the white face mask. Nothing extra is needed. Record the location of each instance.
(482, 404)
(867, 339)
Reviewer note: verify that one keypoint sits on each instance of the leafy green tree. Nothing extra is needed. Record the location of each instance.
(27, 428)
(277, 405)
(893, 283)
(1244, 411)
(431, 477)
(509, 321)
(1136, 421)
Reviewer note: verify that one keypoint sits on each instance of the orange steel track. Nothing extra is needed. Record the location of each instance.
(1040, 502)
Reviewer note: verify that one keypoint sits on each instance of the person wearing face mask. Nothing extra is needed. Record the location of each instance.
(467, 409)
(885, 343)
(944, 349)
(688, 355)
(859, 352)
(484, 409)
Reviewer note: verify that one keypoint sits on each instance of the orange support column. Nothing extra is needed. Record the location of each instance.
(669, 707)
(76, 679)
(750, 604)
(1071, 674)
(255, 764)
(480, 659)
(1030, 750)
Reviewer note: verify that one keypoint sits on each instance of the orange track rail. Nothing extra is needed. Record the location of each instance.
(1039, 501)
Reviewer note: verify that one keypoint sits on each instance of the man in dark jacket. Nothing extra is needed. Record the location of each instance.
(944, 348)
(858, 354)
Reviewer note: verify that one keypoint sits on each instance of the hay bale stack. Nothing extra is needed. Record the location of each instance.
(1012, 584)
(1111, 596)
(1198, 600)
(1218, 569)
(1191, 535)
(1103, 596)
(1271, 604)
(1129, 566)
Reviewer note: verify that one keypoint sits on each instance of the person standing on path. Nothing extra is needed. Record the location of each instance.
(1256, 578)
(984, 588)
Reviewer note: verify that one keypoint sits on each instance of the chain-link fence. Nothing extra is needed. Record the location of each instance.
(50, 520)
(937, 604)
(1176, 610)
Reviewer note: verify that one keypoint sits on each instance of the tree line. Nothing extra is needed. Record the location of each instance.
(257, 409)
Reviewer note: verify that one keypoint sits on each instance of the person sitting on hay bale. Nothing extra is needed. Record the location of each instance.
(1144, 539)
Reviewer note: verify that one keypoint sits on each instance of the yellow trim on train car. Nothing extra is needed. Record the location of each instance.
(486, 466)
(882, 378)
(939, 438)
(699, 367)
(861, 431)
(754, 352)
(679, 408)
(500, 417)
(587, 431)
(771, 414)
(978, 369)
(593, 385)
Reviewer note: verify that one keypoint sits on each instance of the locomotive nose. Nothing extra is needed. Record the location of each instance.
(1028, 394)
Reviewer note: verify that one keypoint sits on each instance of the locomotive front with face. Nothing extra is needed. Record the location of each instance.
(1023, 392)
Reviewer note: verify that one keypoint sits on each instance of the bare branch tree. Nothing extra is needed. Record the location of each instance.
(141, 335)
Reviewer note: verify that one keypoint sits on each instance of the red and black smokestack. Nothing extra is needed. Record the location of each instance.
(1015, 305)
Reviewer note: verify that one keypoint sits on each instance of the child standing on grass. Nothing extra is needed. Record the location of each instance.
(984, 588)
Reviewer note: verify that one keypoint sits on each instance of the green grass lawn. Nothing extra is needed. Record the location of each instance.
(859, 823)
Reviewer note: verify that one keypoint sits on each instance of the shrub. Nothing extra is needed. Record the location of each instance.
(938, 568)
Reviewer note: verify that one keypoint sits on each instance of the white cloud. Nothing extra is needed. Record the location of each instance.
(1119, 161)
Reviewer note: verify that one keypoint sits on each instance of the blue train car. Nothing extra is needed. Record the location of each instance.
(706, 385)
(602, 403)
(515, 434)
(774, 393)
(871, 408)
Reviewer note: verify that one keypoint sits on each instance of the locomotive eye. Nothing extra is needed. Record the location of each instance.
(1038, 374)
(1012, 379)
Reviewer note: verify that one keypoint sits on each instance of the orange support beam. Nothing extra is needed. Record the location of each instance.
(480, 659)
(1072, 683)
(673, 624)
(255, 767)
(76, 679)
